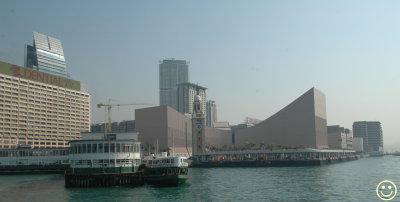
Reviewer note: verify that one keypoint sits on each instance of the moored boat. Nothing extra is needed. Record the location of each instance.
(28, 160)
(165, 170)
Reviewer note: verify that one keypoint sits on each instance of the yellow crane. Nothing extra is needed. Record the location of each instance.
(109, 106)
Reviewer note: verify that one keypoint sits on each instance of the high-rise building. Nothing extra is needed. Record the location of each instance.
(40, 109)
(186, 95)
(172, 72)
(211, 112)
(46, 55)
(371, 132)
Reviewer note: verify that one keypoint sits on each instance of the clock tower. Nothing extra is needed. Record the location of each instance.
(198, 126)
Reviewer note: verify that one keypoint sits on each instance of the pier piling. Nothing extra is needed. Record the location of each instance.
(103, 180)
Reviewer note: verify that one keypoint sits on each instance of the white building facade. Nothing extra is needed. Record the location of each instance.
(186, 96)
(211, 112)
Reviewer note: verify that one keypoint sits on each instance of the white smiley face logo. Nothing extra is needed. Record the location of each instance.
(386, 190)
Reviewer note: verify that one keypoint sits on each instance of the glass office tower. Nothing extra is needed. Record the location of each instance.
(46, 55)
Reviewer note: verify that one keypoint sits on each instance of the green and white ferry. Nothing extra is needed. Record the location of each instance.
(99, 153)
(29, 160)
(165, 170)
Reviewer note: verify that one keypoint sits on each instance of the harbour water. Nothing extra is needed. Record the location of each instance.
(349, 181)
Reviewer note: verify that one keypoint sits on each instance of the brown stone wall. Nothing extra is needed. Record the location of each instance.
(165, 124)
(217, 137)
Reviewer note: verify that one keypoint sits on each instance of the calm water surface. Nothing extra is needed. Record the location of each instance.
(350, 181)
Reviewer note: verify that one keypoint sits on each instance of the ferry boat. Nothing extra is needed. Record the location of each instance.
(100, 153)
(165, 170)
(26, 159)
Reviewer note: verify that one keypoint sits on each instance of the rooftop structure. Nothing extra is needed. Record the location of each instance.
(46, 55)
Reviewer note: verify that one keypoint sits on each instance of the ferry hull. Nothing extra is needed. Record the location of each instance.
(166, 180)
(104, 170)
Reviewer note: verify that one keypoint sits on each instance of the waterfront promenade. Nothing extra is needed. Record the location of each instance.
(284, 157)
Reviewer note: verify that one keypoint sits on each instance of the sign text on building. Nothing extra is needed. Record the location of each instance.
(42, 77)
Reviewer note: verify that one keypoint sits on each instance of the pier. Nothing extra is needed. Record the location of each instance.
(277, 158)
(103, 180)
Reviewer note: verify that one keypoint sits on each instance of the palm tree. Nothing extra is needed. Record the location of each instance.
(270, 146)
(262, 145)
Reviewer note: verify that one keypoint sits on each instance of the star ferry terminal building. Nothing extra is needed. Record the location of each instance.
(40, 109)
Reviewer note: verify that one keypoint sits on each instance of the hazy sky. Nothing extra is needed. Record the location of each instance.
(255, 57)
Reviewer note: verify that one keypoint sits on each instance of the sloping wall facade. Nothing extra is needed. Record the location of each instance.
(302, 122)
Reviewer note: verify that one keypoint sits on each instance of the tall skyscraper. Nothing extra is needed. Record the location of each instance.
(172, 72)
(186, 94)
(211, 112)
(46, 55)
(371, 132)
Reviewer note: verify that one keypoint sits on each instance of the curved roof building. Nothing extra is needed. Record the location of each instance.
(302, 122)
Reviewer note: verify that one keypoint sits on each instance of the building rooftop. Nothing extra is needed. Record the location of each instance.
(192, 85)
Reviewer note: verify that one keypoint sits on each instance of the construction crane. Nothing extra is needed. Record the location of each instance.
(109, 106)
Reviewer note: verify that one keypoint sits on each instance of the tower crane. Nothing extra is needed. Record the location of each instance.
(109, 106)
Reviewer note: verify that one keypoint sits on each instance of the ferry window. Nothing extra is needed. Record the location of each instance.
(89, 148)
(123, 148)
(112, 147)
(172, 160)
(72, 149)
(130, 148)
(118, 147)
(83, 148)
(79, 148)
(101, 148)
(75, 149)
(106, 147)
(94, 148)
